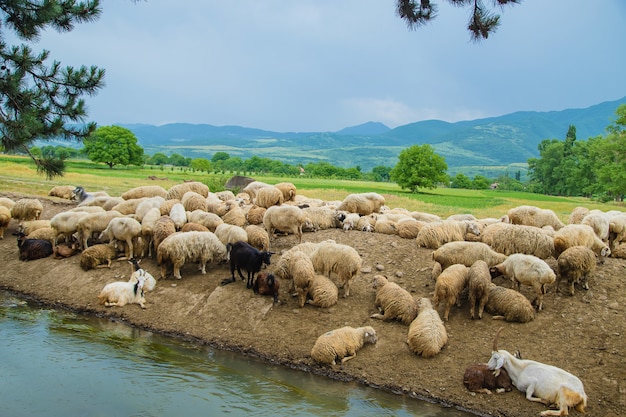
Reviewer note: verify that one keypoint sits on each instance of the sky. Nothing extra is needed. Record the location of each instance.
(323, 65)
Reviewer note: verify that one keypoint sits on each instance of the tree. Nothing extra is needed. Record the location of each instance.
(158, 158)
(219, 156)
(113, 145)
(419, 166)
(38, 99)
(461, 180)
(481, 24)
(201, 164)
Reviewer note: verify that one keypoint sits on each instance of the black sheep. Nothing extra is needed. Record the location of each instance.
(247, 257)
(33, 248)
(266, 284)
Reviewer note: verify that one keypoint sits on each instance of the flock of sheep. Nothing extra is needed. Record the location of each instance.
(188, 223)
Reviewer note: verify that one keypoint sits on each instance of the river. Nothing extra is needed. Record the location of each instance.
(57, 363)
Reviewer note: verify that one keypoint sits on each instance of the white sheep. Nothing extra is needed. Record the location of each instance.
(450, 283)
(341, 344)
(208, 220)
(350, 221)
(577, 215)
(7, 202)
(599, 222)
(268, 197)
(145, 191)
(123, 229)
(176, 192)
(254, 214)
(5, 219)
(281, 268)
(120, 293)
(542, 383)
(146, 205)
(580, 235)
(322, 292)
(575, 264)
(26, 209)
(234, 215)
(258, 237)
(288, 190)
(515, 238)
(92, 223)
(433, 235)
(508, 304)
(287, 219)
(147, 227)
(179, 248)
(65, 224)
(127, 207)
(44, 233)
(366, 223)
(30, 226)
(338, 261)
(228, 233)
(191, 200)
(322, 218)
(528, 270)
(534, 216)
(363, 203)
(409, 228)
(163, 227)
(299, 269)
(178, 215)
(386, 226)
(167, 205)
(466, 253)
(252, 188)
(392, 301)
(62, 191)
(427, 335)
(478, 285)
(425, 217)
(617, 230)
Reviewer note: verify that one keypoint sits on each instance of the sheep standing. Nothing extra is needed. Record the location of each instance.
(514, 238)
(123, 229)
(65, 224)
(433, 235)
(288, 190)
(427, 335)
(176, 192)
(338, 261)
(449, 286)
(301, 272)
(534, 216)
(268, 197)
(322, 292)
(575, 264)
(194, 201)
(528, 270)
(178, 215)
(478, 283)
(163, 227)
(393, 301)
(510, 305)
(341, 344)
(465, 253)
(363, 203)
(287, 219)
(258, 237)
(234, 214)
(322, 218)
(228, 233)
(580, 235)
(208, 220)
(179, 248)
(254, 215)
(93, 223)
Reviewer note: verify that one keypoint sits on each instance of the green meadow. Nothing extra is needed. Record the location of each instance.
(19, 174)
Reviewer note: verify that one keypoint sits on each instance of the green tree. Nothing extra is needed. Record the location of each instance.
(201, 164)
(419, 166)
(461, 180)
(39, 99)
(113, 145)
(481, 24)
(219, 156)
(158, 158)
(481, 183)
(381, 173)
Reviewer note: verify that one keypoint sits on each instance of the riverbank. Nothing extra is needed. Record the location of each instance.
(583, 334)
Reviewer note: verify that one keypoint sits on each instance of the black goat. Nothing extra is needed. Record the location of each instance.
(266, 284)
(33, 248)
(247, 257)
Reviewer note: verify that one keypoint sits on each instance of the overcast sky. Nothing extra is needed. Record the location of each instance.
(322, 65)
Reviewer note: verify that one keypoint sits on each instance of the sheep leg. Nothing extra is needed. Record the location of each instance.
(250, 280)
(347, 358)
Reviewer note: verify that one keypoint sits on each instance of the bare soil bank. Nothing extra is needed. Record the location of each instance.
(583, 334)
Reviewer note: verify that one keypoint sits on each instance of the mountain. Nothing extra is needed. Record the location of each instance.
(489, 146)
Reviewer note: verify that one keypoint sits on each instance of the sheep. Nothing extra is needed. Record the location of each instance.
(26, 209)
(478, 285)
(7, 202)
(167, 205)
(427, 335)
(575, 264)
(288, 219)
(193, 201)
(599, 222)
(163, 227)
(234, 215)
(433, 235)
(252, 188)
(288, 190)
(449, 286)
(208, 220)
(393, 301)
(145, 191)
(509, 305)
(127, 207)
(120, 293)
(577, 215)
(146, 205)
(341, 344)
(123, 229)
(322, 292)
(178, 215)
(258, 237)
(322, 218)
(281, 268)
(45, 233)
(617, 230)
(179, 248)
(98, 256)
(228, 233)
(465, 253)
(337, 260)
(65, 224)
(254, 214)
(87, 209)
(30, 226)
(5, 219)
(363, 203)
(194, 227)
(225, 195)
(425, 217)
(528, 270)
(386, 226)
(216, 205)
(266, 284)
(268, 197)
(478, 378)
(580, 235)
(92, 223)
(461, 217)
(350, 221)
(31, 249)
(301, 272)
(245, 256)
(534, 216)
(514, 238)
(366, 223)
(176, 192)
(62, 191)
(409, 228)
(542, 383)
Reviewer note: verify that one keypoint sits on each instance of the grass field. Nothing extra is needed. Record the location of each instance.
(18, 174)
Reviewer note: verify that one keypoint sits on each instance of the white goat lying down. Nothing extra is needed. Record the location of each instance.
(542, 383)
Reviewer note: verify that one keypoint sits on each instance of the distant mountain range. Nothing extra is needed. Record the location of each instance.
(487, 147)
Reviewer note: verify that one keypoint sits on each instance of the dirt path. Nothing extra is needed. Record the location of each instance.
(583, 334)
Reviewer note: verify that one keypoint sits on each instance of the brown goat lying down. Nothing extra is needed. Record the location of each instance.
(478, 378)
(266, 284)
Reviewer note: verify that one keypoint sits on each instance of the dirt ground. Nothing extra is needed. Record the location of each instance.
(583, 334)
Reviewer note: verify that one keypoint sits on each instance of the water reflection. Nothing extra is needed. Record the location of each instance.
(57, 363)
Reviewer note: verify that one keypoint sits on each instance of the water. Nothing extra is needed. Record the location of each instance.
(55, 363)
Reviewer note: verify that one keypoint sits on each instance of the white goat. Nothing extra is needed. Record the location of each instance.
(542, 383)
